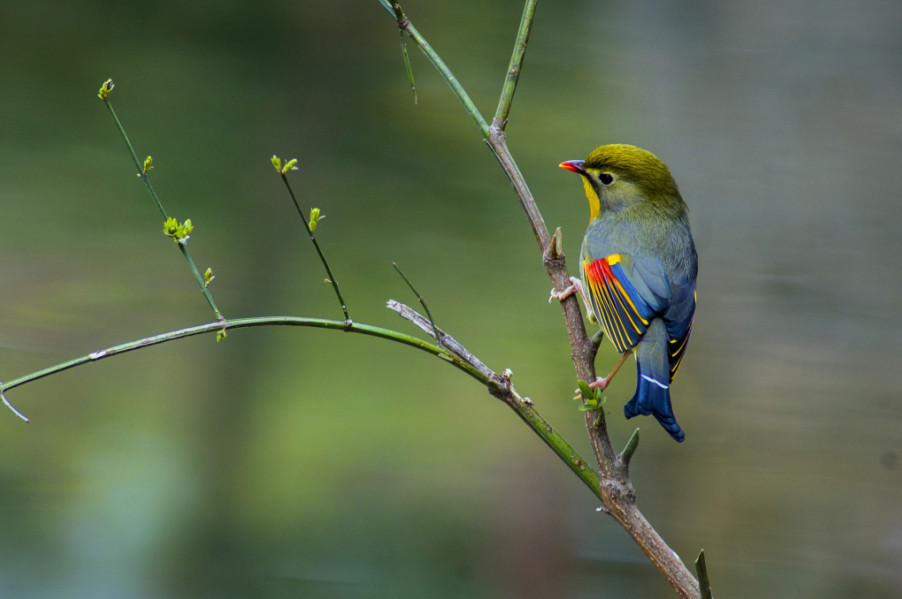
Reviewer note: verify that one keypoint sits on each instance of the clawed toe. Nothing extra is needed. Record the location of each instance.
(601, 383)
(561, 295)
(574, 287)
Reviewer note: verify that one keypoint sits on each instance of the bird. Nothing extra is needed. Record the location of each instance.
(638, 270)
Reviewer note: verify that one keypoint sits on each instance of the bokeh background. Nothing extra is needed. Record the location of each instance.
(304, 463)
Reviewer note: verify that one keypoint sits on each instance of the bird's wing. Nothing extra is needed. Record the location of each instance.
(678, 318)
(626, 293)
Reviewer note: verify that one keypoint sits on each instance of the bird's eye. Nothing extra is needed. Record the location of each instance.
(606, 178)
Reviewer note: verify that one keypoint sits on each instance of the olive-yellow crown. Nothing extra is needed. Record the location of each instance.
(639, 166)
(619, 175)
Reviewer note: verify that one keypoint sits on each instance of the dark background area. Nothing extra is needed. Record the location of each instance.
(305, 463)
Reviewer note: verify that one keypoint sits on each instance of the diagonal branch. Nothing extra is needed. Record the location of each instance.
(443, 338)
(500, 386)
(617, 492)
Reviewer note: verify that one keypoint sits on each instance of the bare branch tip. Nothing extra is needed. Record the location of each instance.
(627, 454)
(701, 570)
(12, 408)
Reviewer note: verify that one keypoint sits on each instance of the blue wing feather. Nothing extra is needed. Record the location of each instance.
(627, 293)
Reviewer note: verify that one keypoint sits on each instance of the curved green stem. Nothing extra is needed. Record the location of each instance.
(237, 323)
(498, 386)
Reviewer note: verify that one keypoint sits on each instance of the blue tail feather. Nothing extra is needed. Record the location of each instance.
(652, 395)
(651, 399)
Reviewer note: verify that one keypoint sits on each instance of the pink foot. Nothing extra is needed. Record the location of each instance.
(601, 383)
(575, 286)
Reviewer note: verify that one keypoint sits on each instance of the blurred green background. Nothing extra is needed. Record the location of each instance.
(303, 463)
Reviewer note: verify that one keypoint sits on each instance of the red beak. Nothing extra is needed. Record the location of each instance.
(575, 166)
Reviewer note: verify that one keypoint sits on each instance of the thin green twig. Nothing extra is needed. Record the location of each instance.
(442, 68)
(515, 66)
(402, 22)
(406, 55)
(138, 165)
(142, 173)
(421, 300)
(319, 252)
(11, 407)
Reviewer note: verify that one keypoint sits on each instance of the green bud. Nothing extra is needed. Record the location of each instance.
(148, 164)
(171, 227)
(184, 231)
(291, 165)
(105, 89)
(208, 276)
(593, 399)
(220, 335)
(315, 217)
(179, 232)
(277, 163)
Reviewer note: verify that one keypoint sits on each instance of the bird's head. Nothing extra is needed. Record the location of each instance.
(618, 176)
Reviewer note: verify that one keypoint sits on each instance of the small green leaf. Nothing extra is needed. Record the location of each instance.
(590, 406)
(591, 396)
(584, 388)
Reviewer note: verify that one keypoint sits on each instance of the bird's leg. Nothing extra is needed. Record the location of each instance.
(602, 383)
